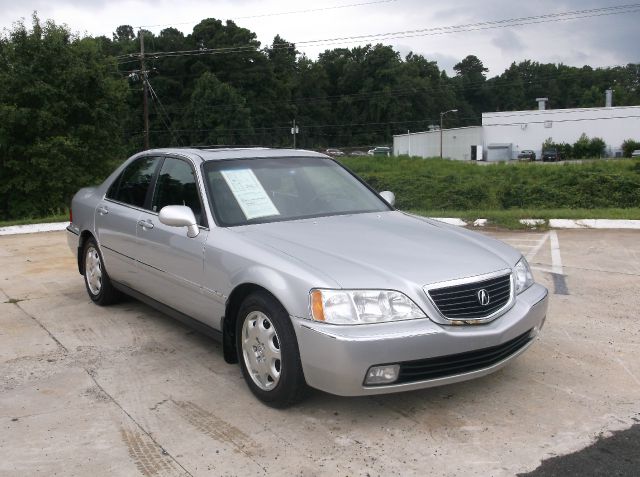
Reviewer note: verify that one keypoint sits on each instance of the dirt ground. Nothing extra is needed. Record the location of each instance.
(125, 390)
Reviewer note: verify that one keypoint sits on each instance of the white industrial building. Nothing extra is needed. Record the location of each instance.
(504, 134)
(529, 129)
(456, 143)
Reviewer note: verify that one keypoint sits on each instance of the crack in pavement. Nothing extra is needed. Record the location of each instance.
(91, 375)
(138, 425)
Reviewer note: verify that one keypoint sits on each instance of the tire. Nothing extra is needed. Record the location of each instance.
(96, 279)
(268, 351)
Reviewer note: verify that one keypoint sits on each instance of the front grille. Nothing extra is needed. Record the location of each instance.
(461, 302)
(453, 364)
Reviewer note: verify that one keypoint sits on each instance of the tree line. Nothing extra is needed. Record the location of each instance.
(71, 105)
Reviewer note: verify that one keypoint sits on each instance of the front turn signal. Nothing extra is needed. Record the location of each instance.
(317, 309)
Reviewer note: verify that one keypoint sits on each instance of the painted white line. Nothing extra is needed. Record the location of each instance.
(594, 224)
(540, 268)
(633, 376)
(33, 228)
(556, 259)
(516, 239)
(534, 251)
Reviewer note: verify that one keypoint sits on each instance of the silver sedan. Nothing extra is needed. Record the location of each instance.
(306, 274)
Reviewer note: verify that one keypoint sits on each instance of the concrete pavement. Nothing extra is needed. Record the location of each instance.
(126, 390)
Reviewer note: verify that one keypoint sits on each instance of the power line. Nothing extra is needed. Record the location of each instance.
(367, 95)
(162, 111)
(479, 26)
(377, 126)
(575, 120)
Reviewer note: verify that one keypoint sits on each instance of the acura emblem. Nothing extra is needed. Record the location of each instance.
(483, 297)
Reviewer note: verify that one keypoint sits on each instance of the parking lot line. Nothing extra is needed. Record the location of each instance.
(556, 259)
(536, 248)
(557, 272)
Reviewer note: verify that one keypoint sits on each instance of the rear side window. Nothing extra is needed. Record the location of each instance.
(176, 185)
(133, 184)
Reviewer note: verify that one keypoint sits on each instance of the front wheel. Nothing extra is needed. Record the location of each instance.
(268, 351)
(99, 287)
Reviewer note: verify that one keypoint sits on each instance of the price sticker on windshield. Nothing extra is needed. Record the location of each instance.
(248, 191)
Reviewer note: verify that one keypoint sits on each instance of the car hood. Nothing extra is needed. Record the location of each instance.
(384, 250)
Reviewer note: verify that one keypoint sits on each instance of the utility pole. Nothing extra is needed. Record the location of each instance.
(441, 117)
(294, 131)
(145, 105)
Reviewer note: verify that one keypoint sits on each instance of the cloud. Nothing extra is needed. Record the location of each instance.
(599, 41)
(508, 41)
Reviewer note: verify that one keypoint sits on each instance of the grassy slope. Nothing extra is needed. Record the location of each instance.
(502, 193)
(505, 193)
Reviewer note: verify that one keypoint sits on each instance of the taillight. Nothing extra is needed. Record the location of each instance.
(70, 215)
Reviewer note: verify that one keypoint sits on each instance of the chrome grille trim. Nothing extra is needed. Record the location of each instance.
(461, 297)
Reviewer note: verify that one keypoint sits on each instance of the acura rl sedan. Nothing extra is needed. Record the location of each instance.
(307, 275)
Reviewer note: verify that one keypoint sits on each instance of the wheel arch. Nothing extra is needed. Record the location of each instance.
(237, 296)
(82, 240)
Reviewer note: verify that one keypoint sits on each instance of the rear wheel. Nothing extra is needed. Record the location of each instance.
(268, 351)
(98, 284)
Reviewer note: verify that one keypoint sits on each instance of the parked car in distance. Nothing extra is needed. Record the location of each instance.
(357, 153)
(636, 153)
(380, 151)
(551, 155)
(527, 155)
(306, 275)
(334, 152)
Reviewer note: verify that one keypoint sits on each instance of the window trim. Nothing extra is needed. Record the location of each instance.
(119, 179)
(154, 180)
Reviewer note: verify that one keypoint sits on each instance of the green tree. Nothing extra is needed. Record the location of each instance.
(60, 117)
(217, 113)
(628, 146)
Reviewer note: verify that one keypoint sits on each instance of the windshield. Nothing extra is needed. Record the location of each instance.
(248, 191)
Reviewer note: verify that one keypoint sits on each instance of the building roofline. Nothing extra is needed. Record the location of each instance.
(437, 131)
(552, 111)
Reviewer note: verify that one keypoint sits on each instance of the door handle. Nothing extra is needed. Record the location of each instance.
(103, 210)
(145, 224)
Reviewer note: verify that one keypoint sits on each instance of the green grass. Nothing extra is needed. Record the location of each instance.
(436, 184)
(506, 193)
(511, 218)
(37, 220)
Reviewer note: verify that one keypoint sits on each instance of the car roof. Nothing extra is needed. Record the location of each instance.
(213, 154)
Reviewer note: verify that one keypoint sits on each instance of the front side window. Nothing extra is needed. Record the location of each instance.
(246, 191)
(132, 185)
(176, 185)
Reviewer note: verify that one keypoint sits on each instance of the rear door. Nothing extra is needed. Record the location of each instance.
(171, 264)
(117, 215)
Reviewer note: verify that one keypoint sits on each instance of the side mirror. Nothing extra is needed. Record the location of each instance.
(179, 216)
(389, 196)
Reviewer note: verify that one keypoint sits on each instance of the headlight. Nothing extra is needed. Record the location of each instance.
(524, 278)
(352, 307)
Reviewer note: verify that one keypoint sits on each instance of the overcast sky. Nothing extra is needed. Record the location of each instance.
(597, 41)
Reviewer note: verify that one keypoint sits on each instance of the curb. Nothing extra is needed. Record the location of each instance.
(555, 223)
(33, 228)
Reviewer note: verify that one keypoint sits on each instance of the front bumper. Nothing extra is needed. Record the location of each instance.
(336, 358)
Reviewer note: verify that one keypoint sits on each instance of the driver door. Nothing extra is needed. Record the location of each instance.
(171, 265)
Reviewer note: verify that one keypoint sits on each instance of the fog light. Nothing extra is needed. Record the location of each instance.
(382, 374)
